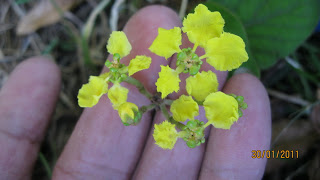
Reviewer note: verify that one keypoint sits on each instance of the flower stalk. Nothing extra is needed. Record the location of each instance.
(139, 86)
(170, 118)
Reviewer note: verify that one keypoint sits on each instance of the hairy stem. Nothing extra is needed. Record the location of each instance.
(140, 86)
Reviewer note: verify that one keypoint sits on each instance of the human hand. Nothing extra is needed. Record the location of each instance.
(100, 147)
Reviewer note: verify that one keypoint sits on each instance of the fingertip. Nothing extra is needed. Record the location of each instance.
(29, 96)
(141, 31)
(153, 16)
(44, 65)
(38, 67)
(229, 152)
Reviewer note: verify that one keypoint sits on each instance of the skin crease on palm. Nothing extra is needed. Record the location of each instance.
(100, 147)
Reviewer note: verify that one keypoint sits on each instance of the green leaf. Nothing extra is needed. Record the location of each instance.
(274, 28)
(234, 26)
(19, 2)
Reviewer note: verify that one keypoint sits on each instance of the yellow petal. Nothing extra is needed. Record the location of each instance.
(226, 53)
(203, 25)
(139, 63)
(126, 111)
(184, 108)
(104, 76)
(118, 95)
(167, 42)
(165, 135)
(221, 110)
(168, 81)
(90, 93)
(119, 43)
(201, 85)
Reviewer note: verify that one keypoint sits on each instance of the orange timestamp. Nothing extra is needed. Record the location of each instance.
(275, 154)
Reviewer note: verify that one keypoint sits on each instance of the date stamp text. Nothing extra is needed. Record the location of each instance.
(275, 154)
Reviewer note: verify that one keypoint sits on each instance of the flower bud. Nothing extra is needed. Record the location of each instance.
(122, 77)
(180, 57)
(108, 63)
(129, 113)
(240, 113)
(193, 70)
(116, 57)
(193, 133)
(191, 143)
(239, 99)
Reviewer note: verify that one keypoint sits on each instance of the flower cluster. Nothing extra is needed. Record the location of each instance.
(90, 93)
(224, 51)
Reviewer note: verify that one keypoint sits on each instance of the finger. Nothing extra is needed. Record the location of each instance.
(101, 146)
(228, 153)
(27, 101)
(181, 162)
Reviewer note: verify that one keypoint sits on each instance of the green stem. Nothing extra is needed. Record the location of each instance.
(139, 86)
(46, 165)
(144, 109)
(168, 102)
(170, 118)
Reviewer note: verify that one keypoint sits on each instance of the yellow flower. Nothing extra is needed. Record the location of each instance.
(119, 43)
(126, 112)
(226, 53)
(104, 76)
(201, 85)
(139, 63)
(184, 108)
(165, 135)
(203, 25)
(168, 81)
(90, 93)
(167, 42)
(117, 95)
(221, 110)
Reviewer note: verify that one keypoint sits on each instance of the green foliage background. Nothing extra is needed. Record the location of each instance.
(272, 29)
